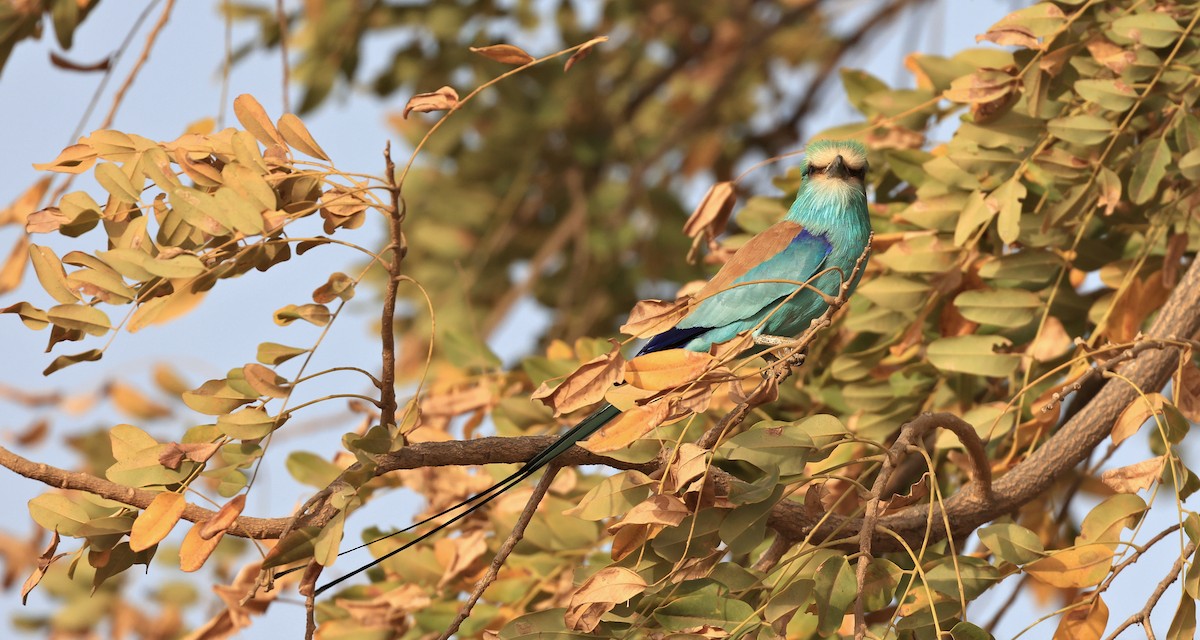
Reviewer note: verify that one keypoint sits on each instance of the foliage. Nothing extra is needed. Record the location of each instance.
(1014, 264)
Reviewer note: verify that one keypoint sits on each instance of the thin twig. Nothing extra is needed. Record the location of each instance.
(506, 548)
(283, 54)
(387, 330)
(1142, 617)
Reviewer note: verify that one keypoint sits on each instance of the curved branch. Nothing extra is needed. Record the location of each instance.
(1151, 368)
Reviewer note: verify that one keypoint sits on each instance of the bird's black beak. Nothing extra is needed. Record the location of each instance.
(837, 169)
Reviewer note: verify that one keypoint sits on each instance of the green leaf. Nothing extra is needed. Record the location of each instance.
(312, 469)
(966, 631)
(273, 353)
(1113, 95)
(835, 588)
(1006, 202)
(1149, 169)
(772, 446)
(1189, 164)
(614, 496)
(1150, 28)
(215, 398)
(1012, 542)
(317, 314)
(57, 512)
(974, 355)
(1105, 522)
(895, 292)
(705, 605)
(879, 585)
(89, 320)
(114, 181)
(1081, 129)
(247, 424)
(999, 307)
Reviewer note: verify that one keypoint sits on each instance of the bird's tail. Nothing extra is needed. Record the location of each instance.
(585, 428)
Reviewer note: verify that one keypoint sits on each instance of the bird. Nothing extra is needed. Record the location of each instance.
(819, 242)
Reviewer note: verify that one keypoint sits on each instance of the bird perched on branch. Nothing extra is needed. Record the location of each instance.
(772, 288)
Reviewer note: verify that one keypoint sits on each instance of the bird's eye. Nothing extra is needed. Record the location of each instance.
(810, 169)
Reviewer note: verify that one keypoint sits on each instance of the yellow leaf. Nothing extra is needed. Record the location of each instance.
(1076, 567)
(51, 274)
(153, 524)
(628, 426)
(298, 137)
(195, 550)
(76, 158)
(1085, 622)
(667, 369)
(134, 403)
(254, 118)
(1135, 415)
(713, 212)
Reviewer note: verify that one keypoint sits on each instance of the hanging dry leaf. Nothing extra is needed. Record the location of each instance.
(1084, 622)
(652, 317)
(226, 516)
(506, 53)
(1135, 477)
(43, 563)
(667, 369)
(583, 52)
(195, 550)
(657, 510)
(1187, 391)
(916, 493)
(153, 524)
(13, 270)
(1135, 415)
(587, 385)
(599, 594)
(441, 100)
(712, 214)
(464, 554)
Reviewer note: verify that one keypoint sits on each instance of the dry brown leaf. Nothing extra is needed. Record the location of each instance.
(659, 509)
(43, 563)
(652, 317)
(582, 52)
(662, 370)
(265, 381)
(20, 208)
(599, 594)
(1173, 258)
(176, 453)
(153, 524)
(1135, 415)
(712, 214)
(465, 552)
(1187, 390)
(1115, 57)
(1135, 477)
(255, 120)
(1051, 343)
(456, 401)
(586, 385)
(195, 550)
(916, 493)
(33, 434)
(443, 99)
(505, 53)
(225, 517)
(689, 463)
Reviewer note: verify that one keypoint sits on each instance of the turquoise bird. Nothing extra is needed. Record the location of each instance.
(819, 241)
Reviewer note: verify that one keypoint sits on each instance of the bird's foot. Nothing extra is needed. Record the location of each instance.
(793, 360)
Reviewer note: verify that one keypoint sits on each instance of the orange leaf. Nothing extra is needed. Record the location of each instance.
(265, 381)
(506, 53)
(1076, 567)
(1187, 391)
(1135, 477)
(652, 317)
(76, 158)
(583, 52)
(586, 385)
(1084, 622)
(254, 118)
(153, 524)
(195, 550)
(599, 594)
(667, 369)
(134, 403)
(713, 212)
(224, 519)
(628, 426)
(440, 100)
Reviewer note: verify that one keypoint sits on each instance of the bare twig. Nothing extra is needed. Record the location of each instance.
(1142, 616)
(387, 330)
(505, 549)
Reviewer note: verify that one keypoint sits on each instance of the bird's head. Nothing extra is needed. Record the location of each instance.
(835, 167)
